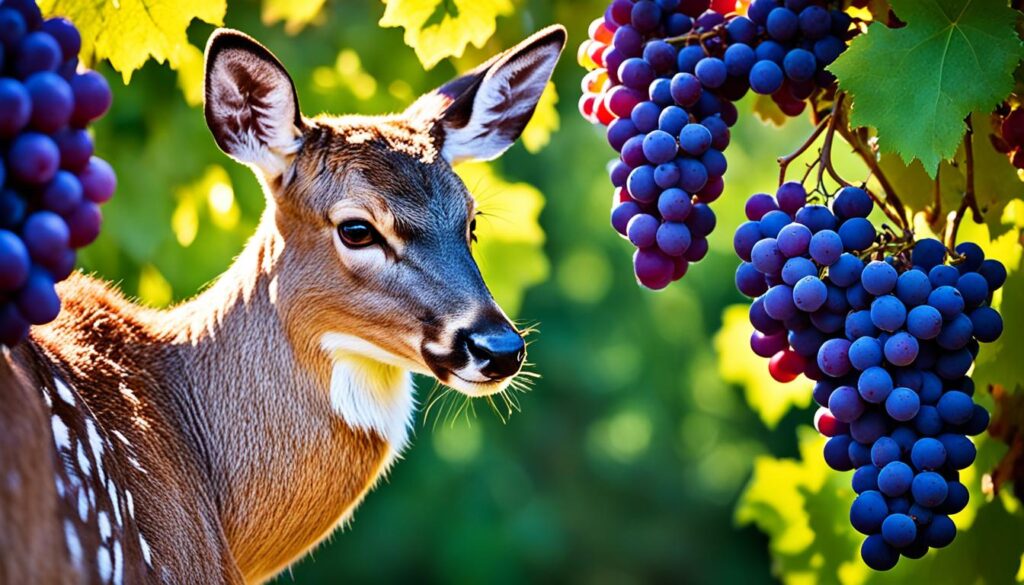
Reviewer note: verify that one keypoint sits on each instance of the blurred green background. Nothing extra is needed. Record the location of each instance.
(630, 456)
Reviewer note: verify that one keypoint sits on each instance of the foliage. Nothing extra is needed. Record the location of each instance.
(130, 32)
(438, 29)
(630, 459)
(916, 84)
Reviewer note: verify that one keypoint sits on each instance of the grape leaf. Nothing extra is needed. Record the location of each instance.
(916, 84)
(544, 122)
(438, 29)
(130, 32)
(738, 365)
(510, 241)
(296, 14)
(996, 183)
(768, 111)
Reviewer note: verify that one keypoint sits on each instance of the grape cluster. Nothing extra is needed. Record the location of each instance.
(51, 185)
(663, 78)
(888, 340)
(1009, 134)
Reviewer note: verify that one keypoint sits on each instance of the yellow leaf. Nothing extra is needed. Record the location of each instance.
(154, 290)
(544, 122)
(130, 32)
(510, 246)
(739, 365)
(437, 29)
(191, 74)
(296, 14)
(185, 222)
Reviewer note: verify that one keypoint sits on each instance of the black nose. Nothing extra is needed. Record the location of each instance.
(500, 349)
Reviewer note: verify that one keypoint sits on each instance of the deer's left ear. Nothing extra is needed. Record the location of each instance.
(485, 111)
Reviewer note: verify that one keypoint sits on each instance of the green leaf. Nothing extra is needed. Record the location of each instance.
(438, 29)
(130, 32)
(996, 183)
(738, 365)
(916, 84)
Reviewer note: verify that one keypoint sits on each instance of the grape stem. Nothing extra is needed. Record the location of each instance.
(891, 205)
(935, 211)
(785, 161)
(826, 147)
(694, 36)
(969, 200)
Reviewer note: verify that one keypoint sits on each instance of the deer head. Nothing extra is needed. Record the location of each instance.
(374, 228)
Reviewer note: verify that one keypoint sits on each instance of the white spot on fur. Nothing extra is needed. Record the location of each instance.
(147, 555)
(368, 392)
(83, 505)
(120, 437)
(96, 444)
(114, 501)
(92, 498)
(130, 502)
(103, 564)
(118, 564)
(103, 521)
(60, 432)
(83, 461)
(57, 481)
(46, 398)
(135, 463)
(64, 392)
(73, 543)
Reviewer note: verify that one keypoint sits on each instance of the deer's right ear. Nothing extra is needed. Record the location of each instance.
(251, 105)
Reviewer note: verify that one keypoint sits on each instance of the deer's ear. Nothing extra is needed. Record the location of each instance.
(485, 111)
(251, 105)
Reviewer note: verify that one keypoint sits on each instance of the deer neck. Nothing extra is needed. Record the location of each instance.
(293, 435)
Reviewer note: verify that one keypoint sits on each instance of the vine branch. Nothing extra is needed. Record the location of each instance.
(785, 161)
(969, 200)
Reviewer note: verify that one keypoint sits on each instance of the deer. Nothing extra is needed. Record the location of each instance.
(221, 439)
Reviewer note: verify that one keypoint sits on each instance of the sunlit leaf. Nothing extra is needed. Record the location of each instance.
(916, 84)
(154, 290)
(544, 123)
(296, 14)
(738, 365)
(130, 32)
(437, 29)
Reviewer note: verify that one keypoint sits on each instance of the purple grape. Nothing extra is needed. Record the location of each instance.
(14, 261)
(66, 35)
(641, 230)
(75, 147)
(33, 158)
(675, 205)
(63, 194)
(765, 77)
(51, 101)
(711, 72)
(622, 213)
(84, 224)
(660, 146)
(37, 300)
(673, 238)
(694, 139)
(653, 269)
(686, 89)
(92, 97)
(15, 106)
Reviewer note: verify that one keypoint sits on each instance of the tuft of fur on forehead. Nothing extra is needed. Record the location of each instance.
(398, 133)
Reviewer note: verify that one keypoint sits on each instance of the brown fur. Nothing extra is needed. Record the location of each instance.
(207, 430)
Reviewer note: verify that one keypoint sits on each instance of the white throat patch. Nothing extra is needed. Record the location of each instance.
(367, 392)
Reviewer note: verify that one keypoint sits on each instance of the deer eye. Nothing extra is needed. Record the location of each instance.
(357, 233)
